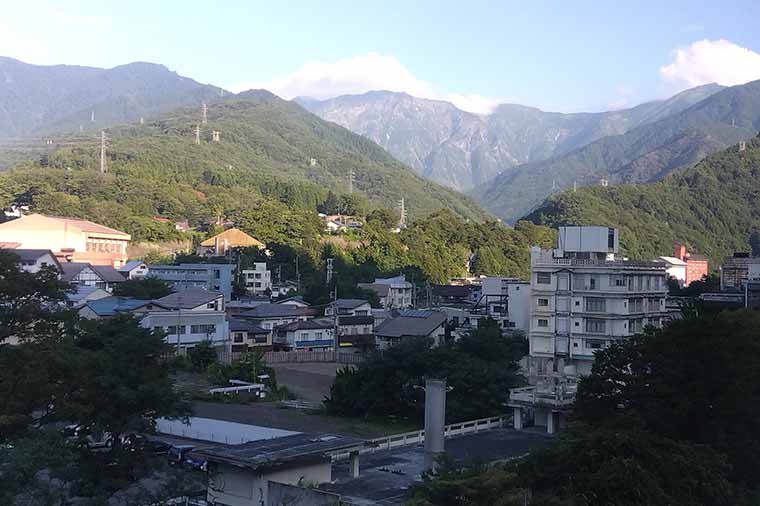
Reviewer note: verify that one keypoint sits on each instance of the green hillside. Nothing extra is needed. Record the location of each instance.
(270, 151)
(713, 207)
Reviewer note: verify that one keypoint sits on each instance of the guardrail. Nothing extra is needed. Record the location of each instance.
(418, 436)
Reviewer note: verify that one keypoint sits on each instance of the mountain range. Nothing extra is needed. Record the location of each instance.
(712, 206)
(463, 150)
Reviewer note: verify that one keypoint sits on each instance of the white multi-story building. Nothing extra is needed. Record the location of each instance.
(258, 281)
(583, 297)
(507, 299)
(394, 293)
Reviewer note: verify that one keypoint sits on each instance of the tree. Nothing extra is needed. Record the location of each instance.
(695, 380)
(26, 299)
(202, 355)
(144, 289)
(754, 242)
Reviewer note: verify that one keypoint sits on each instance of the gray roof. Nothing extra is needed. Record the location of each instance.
(411, 323)
(356, 320)
(109, 306)
(108, 273)
(305, 325)
(380, 290)
(132, 264)
(349, 303)
(277, 310)
(71, 269)
(280, 452)
(188, 298)
(239, 325)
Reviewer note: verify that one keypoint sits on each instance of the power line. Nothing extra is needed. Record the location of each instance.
(197, 134)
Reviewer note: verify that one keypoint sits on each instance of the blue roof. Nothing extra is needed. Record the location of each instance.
(109, 306)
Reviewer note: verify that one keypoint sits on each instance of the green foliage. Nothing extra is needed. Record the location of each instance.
(714, 207)
(481, 368)
(247, 368)
(202, 355)
(145, 289)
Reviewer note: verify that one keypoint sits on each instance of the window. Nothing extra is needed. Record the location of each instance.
(596, 304)
(172, 329)
(593, 283)
(543, 278)
(203, 329)
(543, 323)
(211, 305)
(317, 335)
(595, 325)
(594, 344)
(577, 324)
(238, 337)
(577, 303)
(217, 273)
(620, 281)
(611, 238)
(635, 305)
(543, 302)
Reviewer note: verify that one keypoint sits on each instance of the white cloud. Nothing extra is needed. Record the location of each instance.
(712, 61)
(360, 74)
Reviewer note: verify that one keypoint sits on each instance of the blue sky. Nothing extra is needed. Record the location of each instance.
(564, 56)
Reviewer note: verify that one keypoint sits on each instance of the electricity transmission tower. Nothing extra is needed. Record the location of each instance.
(197, 134)
(403, 214)
(103, 167)
(351, 175)
(205, 113)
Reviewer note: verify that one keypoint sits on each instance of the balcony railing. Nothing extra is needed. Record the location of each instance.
(562, 395)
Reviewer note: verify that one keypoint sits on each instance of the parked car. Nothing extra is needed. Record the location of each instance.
(177, 454)
(195, 461)
(139, 442)
(91, 437)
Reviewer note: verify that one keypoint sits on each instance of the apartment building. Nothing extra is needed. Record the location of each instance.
(258, 281)
(507, 300)
(394, 292)
(209, 276)
(583, 298)
(737, 269)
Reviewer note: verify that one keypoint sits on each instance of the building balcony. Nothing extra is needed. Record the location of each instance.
(560, 396)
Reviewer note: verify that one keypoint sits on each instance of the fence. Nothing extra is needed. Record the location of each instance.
(418, 436)
(301, 356)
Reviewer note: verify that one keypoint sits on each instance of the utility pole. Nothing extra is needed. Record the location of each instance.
(351, 175)
(298, 277)
(103, 167)
(403, 214)
(204, 108)
(197, 134)
(575, 187)
(334, 296)
(92, 117)
(215, 135)
(329, 270)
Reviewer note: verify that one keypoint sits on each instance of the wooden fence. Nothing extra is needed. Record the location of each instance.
(301, 356)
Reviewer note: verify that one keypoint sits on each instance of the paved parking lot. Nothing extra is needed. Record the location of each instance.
(310, 382)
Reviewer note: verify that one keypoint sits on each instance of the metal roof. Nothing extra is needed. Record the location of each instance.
(239, 325)
(411, 323)
(109, 306)
(281, 451)
(132, 264)
(108, 273)
(277, 310)
(188, 298)
(349, 303)
(305, 325)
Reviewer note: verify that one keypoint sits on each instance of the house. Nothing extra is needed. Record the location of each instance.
(735, 270)
(351, 307)
(394, 293)
(506, 300)
(277, 471)
(696, 265)
(134, 269)
(83, 274)
(243, 304)
(257, 281)
(452, 294)
(411, 323)
(107, 307)
(305, 335)
(284, 289)
(209, 276)
(33, 260)
(270, 316)
(583, 298)
(69, 239)
(228, 240)
(356, 331)
(296, 300)
(77, 298)
(248, 336)
(188, 317)
(674, 268)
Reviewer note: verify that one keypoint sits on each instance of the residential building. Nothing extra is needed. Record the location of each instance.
(243, 304)
(258, 281)
(411, 323)
(69, 239)
(33, 260)
(507, 300)
(583, 298)
(248, 336)
(348, 307)
(221, 244)
(209, 276)
(356, 331)
(305, 335)
(84, 274)
(459, 295)
(696, 265)
(674, 268)
(275, 471)
(77, 298)
(735, 270)
(134, 269)
(394, 293)
(269, 316)
(284, 289)
(188, 317)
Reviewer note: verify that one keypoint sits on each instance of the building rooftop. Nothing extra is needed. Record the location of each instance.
(305, 325)
(109, 306)
(349, 303)
(108, 273)
(240, 325)
(281, 452)
(132, 264)
(673, 260)
(200, 267)
(411, 323)
(278, 310)
(233, 238)
(356, 320)
(380, 289)
(188, 298)
(41, 221)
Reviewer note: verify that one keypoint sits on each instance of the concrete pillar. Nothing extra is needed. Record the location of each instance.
(551, 420)
(435, 413)
(354, 464)
(518, 419)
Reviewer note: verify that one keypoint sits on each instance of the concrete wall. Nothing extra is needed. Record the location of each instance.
(289, 495)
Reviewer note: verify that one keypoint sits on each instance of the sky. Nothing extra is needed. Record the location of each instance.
(558, 56)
